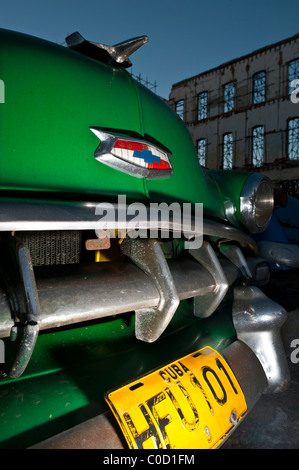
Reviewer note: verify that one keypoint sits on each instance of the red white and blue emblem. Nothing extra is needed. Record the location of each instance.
(135, 157)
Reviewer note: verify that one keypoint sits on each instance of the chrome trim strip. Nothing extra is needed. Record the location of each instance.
(32, 215)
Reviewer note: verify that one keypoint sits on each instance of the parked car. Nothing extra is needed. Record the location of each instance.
(279, 243)
(130, 301)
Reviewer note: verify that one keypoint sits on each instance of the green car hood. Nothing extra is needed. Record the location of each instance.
(53, 95)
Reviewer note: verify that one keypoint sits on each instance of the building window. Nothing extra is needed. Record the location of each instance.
(202, 105)
(292, 187)
(227, 156)
(229, 97)
(293, 73)
(258, 147)
(201, 151)
(259, 88)
(293, 139)
(179, 108)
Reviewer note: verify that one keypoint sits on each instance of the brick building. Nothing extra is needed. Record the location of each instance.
(244, 114)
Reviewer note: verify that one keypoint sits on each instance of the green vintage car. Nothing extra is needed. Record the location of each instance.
(131, 313)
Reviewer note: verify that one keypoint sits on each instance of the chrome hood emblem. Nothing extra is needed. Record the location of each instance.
(132, 156)
(119, 52)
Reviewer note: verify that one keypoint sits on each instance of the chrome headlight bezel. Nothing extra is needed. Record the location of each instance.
(256, 203)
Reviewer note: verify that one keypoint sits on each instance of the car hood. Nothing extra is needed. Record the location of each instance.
(54, 95)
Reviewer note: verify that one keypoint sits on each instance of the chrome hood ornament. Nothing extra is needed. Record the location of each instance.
(118, 53)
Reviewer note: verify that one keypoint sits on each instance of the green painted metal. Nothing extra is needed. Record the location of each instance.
(230, 185)
(72, 368)
(188, 182)
(53, 95)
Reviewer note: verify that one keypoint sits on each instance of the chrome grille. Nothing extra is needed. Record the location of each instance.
(53, 247)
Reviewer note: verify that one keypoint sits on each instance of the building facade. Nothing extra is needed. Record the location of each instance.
(244, 114)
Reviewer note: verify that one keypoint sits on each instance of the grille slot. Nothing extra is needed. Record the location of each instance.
(53, 247)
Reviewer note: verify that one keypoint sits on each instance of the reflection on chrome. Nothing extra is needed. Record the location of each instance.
(257, 203)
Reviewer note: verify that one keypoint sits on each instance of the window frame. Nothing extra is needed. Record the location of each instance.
(228, 99)
(205, 151)
(202, 108)
(257, 92)
(256, 147)
(180, 113)
(297, 139)
(225, 147)
(294, 76)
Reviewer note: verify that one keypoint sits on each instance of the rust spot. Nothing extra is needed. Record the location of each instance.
(101, 243)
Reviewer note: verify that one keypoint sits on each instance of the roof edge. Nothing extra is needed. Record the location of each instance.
(237, 59)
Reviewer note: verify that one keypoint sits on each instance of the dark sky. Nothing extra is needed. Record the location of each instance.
(186, 37)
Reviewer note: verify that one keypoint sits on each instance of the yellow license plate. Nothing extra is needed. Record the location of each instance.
(191, 403)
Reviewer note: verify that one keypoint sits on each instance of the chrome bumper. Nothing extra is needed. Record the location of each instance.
(73, 294)
(38, 215)
(148, 285)
(96, 291)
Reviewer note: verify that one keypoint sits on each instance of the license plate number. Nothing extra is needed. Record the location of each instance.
(190, 403)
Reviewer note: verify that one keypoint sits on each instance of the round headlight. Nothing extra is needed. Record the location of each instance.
(256, 203)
